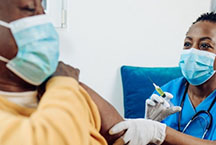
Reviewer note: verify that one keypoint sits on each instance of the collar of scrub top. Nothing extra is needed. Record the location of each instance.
(199, 112)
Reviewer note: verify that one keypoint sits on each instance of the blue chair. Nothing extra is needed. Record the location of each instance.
(137, 86)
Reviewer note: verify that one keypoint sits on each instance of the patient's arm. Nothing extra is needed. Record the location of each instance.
(109, 116)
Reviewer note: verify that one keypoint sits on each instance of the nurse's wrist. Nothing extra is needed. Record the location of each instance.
(172, 136)
(168, 136)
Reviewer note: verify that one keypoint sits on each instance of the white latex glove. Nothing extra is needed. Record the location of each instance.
(140, 131)
(158, 108)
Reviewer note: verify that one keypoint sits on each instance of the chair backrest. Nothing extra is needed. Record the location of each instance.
(137, 86)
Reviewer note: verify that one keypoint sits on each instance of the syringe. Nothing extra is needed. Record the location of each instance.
(159, 90)
(162, 94)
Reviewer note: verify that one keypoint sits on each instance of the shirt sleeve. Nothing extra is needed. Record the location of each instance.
(66, 115)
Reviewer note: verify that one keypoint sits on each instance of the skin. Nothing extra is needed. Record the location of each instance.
(11, 10)
(202, 36)
(109, 116)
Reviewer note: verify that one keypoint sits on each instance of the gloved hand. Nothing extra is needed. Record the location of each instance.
(158, 108)
(140, 131)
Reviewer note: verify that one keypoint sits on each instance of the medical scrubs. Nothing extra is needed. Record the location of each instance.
(177, 88)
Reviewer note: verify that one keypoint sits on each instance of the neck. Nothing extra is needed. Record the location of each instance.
(11, 83)
(199, 93)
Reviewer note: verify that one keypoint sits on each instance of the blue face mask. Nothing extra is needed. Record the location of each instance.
(197, 66)
(38, 48)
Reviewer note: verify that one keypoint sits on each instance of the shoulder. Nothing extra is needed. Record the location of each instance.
(176, 84)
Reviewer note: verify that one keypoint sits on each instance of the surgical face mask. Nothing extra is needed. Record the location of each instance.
(197, 66)
(38, 48)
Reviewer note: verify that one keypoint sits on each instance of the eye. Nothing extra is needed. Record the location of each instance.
(27, 8)
(205, 46)
(187, 45)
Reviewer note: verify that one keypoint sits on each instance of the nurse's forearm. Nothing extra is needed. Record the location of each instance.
(174, 137)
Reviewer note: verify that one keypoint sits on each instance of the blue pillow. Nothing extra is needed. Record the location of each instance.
(137, 86)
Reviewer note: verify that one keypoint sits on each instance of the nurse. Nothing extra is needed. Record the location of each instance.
(194, 96)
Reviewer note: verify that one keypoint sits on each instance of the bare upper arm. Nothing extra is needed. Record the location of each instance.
(109, 115)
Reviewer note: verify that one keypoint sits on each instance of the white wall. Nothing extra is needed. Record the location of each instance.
(103, 35)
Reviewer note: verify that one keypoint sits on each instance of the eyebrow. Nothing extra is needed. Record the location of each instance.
(201, 39)
(188, 38)
(204, 38)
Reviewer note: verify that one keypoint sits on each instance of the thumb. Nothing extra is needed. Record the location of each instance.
(119, 127)
(168, 95)
(175, 109)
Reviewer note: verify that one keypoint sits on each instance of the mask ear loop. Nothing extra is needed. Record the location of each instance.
(5, 24)
(4, 59)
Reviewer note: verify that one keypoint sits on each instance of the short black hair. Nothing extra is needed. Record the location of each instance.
(210, 17)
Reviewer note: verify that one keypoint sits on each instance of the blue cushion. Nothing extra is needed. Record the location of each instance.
(137, 86)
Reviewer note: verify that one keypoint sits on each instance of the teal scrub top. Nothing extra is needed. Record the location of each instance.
(176, 88)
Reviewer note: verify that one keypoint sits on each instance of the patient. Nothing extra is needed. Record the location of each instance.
(65, 114)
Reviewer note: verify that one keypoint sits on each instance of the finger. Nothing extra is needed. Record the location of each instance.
(150, 102)
(129, 134)
(168, 95)
(119, 127)
(134, 142)
(135, 139)
(175, 109)
(157, 99)
(157, 114)
(166, 104)
(159, 118)
(78, 71)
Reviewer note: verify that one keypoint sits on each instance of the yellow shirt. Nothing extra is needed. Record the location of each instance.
(66, 115)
